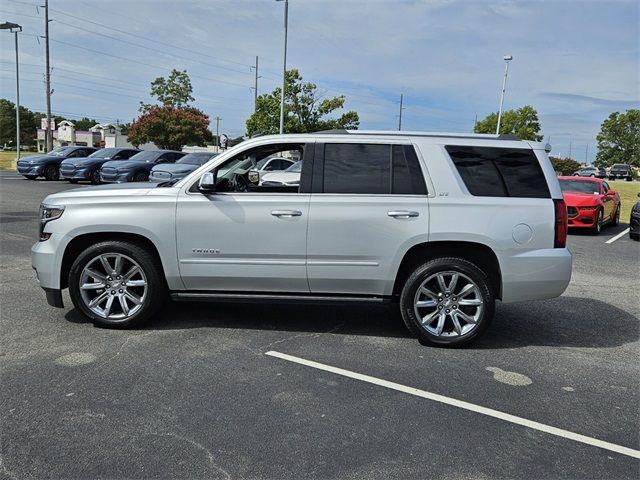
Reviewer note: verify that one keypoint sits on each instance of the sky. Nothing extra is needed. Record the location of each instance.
(574, 61)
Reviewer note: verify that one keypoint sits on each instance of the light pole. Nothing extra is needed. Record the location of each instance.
(284, 64)
(507, 59)
(15, 28)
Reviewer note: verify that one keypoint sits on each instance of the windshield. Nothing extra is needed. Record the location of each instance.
(59, 151)
(296, 167)
(148, 156)
(104, 153)
(197, 158)
(579, 186)
(619, 165)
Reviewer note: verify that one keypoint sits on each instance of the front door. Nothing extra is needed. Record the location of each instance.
(244, 239)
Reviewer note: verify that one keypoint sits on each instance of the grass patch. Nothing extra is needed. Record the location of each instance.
(628, 192)
(8, 159)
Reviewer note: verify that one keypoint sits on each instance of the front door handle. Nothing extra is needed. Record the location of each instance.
(402, 214)
(286, 213)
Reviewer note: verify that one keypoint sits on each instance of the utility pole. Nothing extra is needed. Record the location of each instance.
(48, 131)
(284, 64)
(218, 131)
(400, 116)
(475, 122)
(570, 145)
(255, 87)
(586, 153)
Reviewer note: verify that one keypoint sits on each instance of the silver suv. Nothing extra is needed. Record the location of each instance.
(442, 225)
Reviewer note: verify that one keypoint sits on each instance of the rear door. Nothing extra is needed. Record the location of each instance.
(368, 202)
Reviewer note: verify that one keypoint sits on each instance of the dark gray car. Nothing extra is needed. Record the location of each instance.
(88, 168)
(48, 165)
(172, 172)
(138, 167)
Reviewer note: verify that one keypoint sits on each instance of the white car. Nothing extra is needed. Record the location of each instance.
(272, 164)
(290, 177)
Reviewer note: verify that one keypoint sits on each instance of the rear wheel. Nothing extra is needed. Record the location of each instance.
(52, 172)
(597, 228)
(117, 284)
(447, 302)
(141, 177)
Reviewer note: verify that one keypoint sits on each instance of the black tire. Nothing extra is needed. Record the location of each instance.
(73, 180)
(593, 175)
(52, 173)
(448, 264)
(629, 179)
(616, 217)
(141, 177)
(94, 176)
(597, 228)
(634, 236)
(30, 177)
(154, 298)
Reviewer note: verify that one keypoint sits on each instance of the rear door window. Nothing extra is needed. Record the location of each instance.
(499, 172)
(372, 169)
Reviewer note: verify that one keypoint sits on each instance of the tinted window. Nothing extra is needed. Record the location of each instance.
(407, 175)
(357, 168)
(196, 158)
(499, 172)
(580, 186)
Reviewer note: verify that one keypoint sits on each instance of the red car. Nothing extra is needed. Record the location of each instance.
(591, 203)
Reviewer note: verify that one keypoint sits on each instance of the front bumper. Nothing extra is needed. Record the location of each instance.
(634, 224)
(30, 169)
(77, 174)
(582, 218)
(535, 275)
(116, 177)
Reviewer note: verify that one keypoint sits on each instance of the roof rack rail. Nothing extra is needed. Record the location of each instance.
(488, 136)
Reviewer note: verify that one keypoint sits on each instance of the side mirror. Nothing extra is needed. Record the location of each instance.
(254, 177)
(207, 183)
(611, 192)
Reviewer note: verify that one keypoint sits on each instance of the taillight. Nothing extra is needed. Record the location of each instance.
(561, 224)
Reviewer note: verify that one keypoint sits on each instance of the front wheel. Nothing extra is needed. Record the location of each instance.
(117, 284)
(52, 172)
(447, 302)
(94, 177)
(616, 218)
(141, 177)
(597, 228)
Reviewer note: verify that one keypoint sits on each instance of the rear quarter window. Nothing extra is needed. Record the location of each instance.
(499, 172)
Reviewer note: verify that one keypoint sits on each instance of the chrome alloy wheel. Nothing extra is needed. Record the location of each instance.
(448, 304)
(113, 286)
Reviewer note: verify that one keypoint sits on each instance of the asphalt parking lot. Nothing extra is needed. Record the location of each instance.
(194, 395)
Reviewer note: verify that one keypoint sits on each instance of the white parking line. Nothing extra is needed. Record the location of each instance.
(619, 236)
(462, 404)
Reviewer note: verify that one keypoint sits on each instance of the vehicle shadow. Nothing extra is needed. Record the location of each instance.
(564, 321)
(607, 230)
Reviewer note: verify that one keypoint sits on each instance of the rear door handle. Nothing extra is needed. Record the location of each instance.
(402, 214)
(286, 213)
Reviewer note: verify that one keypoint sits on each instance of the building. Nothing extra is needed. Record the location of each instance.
(67, 135)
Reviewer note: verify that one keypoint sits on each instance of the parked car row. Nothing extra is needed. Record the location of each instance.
(618, 170)
(119, 165)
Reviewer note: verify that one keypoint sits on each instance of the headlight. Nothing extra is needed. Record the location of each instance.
(47, 214)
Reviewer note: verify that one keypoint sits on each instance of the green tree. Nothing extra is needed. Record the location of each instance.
(29, 123)
(84, 123)
(619, 139)
(174, 91)
(564, 166)
(172, 124)
(305, 110)
(522, 123)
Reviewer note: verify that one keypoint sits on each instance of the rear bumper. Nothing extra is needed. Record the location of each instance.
(535, 275)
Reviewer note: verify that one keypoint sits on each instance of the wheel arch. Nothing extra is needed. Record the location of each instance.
(81, 242)
(480, 254)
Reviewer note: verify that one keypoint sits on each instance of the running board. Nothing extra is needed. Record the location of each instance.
(274, 297)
